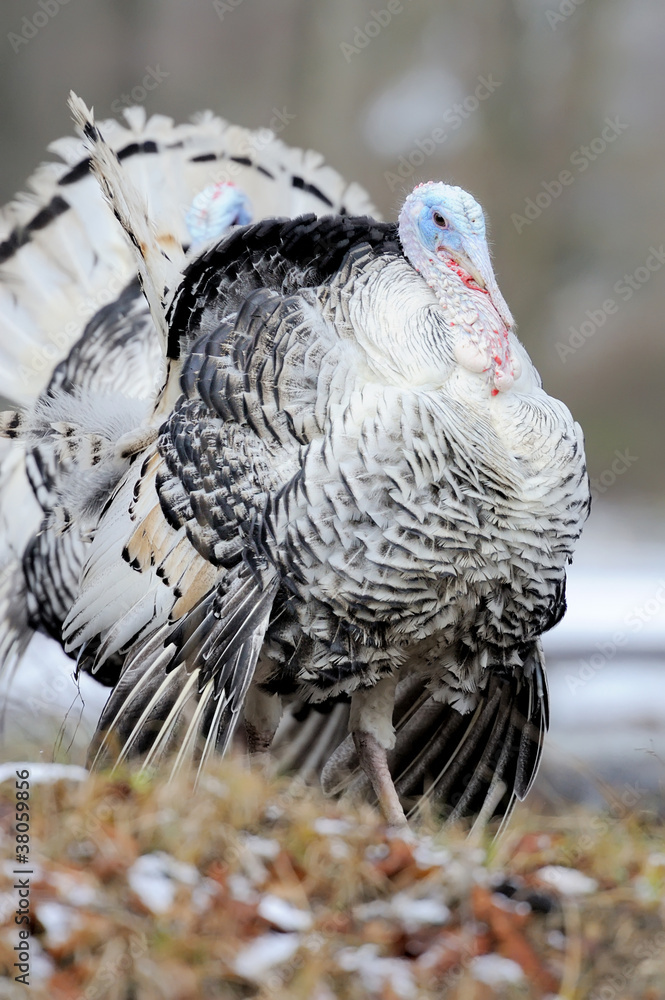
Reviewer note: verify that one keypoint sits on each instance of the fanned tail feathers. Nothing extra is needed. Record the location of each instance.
(477, 764)
(308, 736)
(158, 257)
(63, 254)
(20, 516)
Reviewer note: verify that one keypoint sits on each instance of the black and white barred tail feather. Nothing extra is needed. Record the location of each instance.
(63, 254)
(20, 516)
(308, 736)
(478, 763)
(118, 350)
(158, 255)
(69, 451)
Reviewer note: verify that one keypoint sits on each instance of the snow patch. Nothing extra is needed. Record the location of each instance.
(376, 973)
(60, 922)
(567, 881)
(42, 773)
(495, 970)
(411, 913)
(264, 953)
(329, 827)
(155, 877)
(283, 915)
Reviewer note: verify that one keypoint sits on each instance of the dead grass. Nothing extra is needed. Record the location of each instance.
(286, 895)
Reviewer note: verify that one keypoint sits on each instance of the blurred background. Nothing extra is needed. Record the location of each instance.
(551, 113)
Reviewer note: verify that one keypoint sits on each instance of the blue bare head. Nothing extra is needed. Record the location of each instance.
(214, 210)
(442, 226)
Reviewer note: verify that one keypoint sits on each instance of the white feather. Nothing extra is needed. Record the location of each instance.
(81, 260)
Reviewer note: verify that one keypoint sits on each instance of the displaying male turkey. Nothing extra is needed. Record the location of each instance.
(359, 487)
(78, 347)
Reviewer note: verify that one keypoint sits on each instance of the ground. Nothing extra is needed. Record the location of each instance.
(256, 887)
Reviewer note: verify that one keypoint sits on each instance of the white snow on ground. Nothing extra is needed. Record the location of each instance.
(42, 772)
(155, 879)
(377, 972)
(45, 711)
(264, 953)
(59, 922)
(283, 915)
(624, 606)
(412, 913)
(567, 881)
(606, 661)
(612, 719)
(494, 970)
(626, 691)
(329, 827)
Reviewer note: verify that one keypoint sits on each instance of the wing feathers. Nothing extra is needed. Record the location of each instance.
(184, 686)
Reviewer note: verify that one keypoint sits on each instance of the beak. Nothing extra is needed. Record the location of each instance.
(475, 258)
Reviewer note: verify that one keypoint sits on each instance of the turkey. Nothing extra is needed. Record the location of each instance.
(78, 346)
(358, 492)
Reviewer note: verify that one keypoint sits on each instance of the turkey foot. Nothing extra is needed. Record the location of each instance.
(371, 724)
(373, 759)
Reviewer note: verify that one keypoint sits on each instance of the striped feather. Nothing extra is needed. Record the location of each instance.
(63, 254)
(182, 700)
(477, 764)
(158, 253)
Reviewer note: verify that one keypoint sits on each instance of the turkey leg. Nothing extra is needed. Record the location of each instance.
(373, 735)
(262, 716)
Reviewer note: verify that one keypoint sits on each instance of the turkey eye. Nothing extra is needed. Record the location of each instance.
(439, 220)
